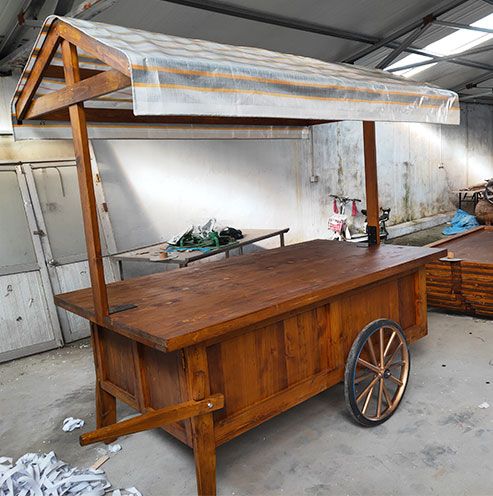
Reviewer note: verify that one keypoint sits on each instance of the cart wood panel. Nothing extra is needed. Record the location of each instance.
(268, 330)
(174, 310)
(276, 357)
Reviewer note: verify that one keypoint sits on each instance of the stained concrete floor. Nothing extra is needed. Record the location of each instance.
(438, 442)
(420, 238)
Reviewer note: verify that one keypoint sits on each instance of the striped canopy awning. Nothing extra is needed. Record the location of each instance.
(172, 76)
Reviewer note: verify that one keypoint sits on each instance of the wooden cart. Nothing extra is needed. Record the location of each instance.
(462, 282)
(208, 353)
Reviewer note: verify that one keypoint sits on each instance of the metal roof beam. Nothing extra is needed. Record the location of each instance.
(442, 58)
(457, 25)
(309, 27)
(28, 13)
(405, 30)
(474, 82)
(275, 20)
(85, 10)
(478, 95)
(62, 7)
(408, 41)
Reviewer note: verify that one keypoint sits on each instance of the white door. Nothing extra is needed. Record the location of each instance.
(55, 195)
(28, 318)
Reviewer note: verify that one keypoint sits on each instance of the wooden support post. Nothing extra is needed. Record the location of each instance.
(204, 443)
(105, 402)
(371, 183)
(86, 186)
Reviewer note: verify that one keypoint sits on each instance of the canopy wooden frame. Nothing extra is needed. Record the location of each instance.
(68, 104)
(87, 84)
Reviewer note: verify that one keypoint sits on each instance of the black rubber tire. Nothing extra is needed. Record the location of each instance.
(351, 365)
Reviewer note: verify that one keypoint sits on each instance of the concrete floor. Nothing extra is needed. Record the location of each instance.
(420, 238)
(438, 442)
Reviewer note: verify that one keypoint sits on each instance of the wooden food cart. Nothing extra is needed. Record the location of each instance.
(208, 353)
(462, 282)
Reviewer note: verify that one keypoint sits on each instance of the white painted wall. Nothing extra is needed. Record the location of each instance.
(7, 88)
(156, 188)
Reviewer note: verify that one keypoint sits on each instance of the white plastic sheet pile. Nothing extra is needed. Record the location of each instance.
(43, 474)
(71, 423)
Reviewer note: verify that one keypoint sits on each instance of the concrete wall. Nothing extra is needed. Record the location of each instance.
(25, 151)
(155, 188)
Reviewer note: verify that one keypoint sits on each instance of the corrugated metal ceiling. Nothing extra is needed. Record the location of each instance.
(378, 19)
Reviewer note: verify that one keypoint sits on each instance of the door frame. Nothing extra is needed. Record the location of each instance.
(48, 261)
(47, 291)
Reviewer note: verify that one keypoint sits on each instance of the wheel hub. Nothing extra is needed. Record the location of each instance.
(386, 374)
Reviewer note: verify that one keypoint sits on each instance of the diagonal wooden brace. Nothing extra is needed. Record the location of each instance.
(156, 418)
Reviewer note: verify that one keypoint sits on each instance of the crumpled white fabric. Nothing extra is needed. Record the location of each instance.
(43, 474)
(71, 423)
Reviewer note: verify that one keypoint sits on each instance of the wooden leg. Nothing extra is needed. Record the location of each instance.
(105, 402)
(105, 409)
(204, 451)
(204, 444)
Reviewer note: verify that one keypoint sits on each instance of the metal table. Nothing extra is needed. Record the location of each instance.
(469, 195)
(183, 258)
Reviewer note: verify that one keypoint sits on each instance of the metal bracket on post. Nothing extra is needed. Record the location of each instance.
(372, 235)
(121, 308)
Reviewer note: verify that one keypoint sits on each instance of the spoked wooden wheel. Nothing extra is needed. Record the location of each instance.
(377, 370)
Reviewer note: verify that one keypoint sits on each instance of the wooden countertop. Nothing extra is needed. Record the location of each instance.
(179, 308)
(475, 245)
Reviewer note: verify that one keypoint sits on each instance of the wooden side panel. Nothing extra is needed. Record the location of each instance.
(407, 297)
(352, 312)
(441, 286)
(464, 287)
(162, 380)
(248, 368)
(477, 287)
(266, 371)
(117, 357)
(142, 377)
(402, 299)
(307, 344)
(421, 306)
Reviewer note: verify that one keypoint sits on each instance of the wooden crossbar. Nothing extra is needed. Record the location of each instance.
(156, 418)
(87, 89)
(50, 46)
(110, 56)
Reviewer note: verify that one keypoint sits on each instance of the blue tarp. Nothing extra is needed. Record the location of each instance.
(460, 222)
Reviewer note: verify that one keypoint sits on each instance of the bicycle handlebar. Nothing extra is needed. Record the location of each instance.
(345, 198)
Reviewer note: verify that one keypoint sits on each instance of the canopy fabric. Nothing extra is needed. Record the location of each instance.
(184, 77)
